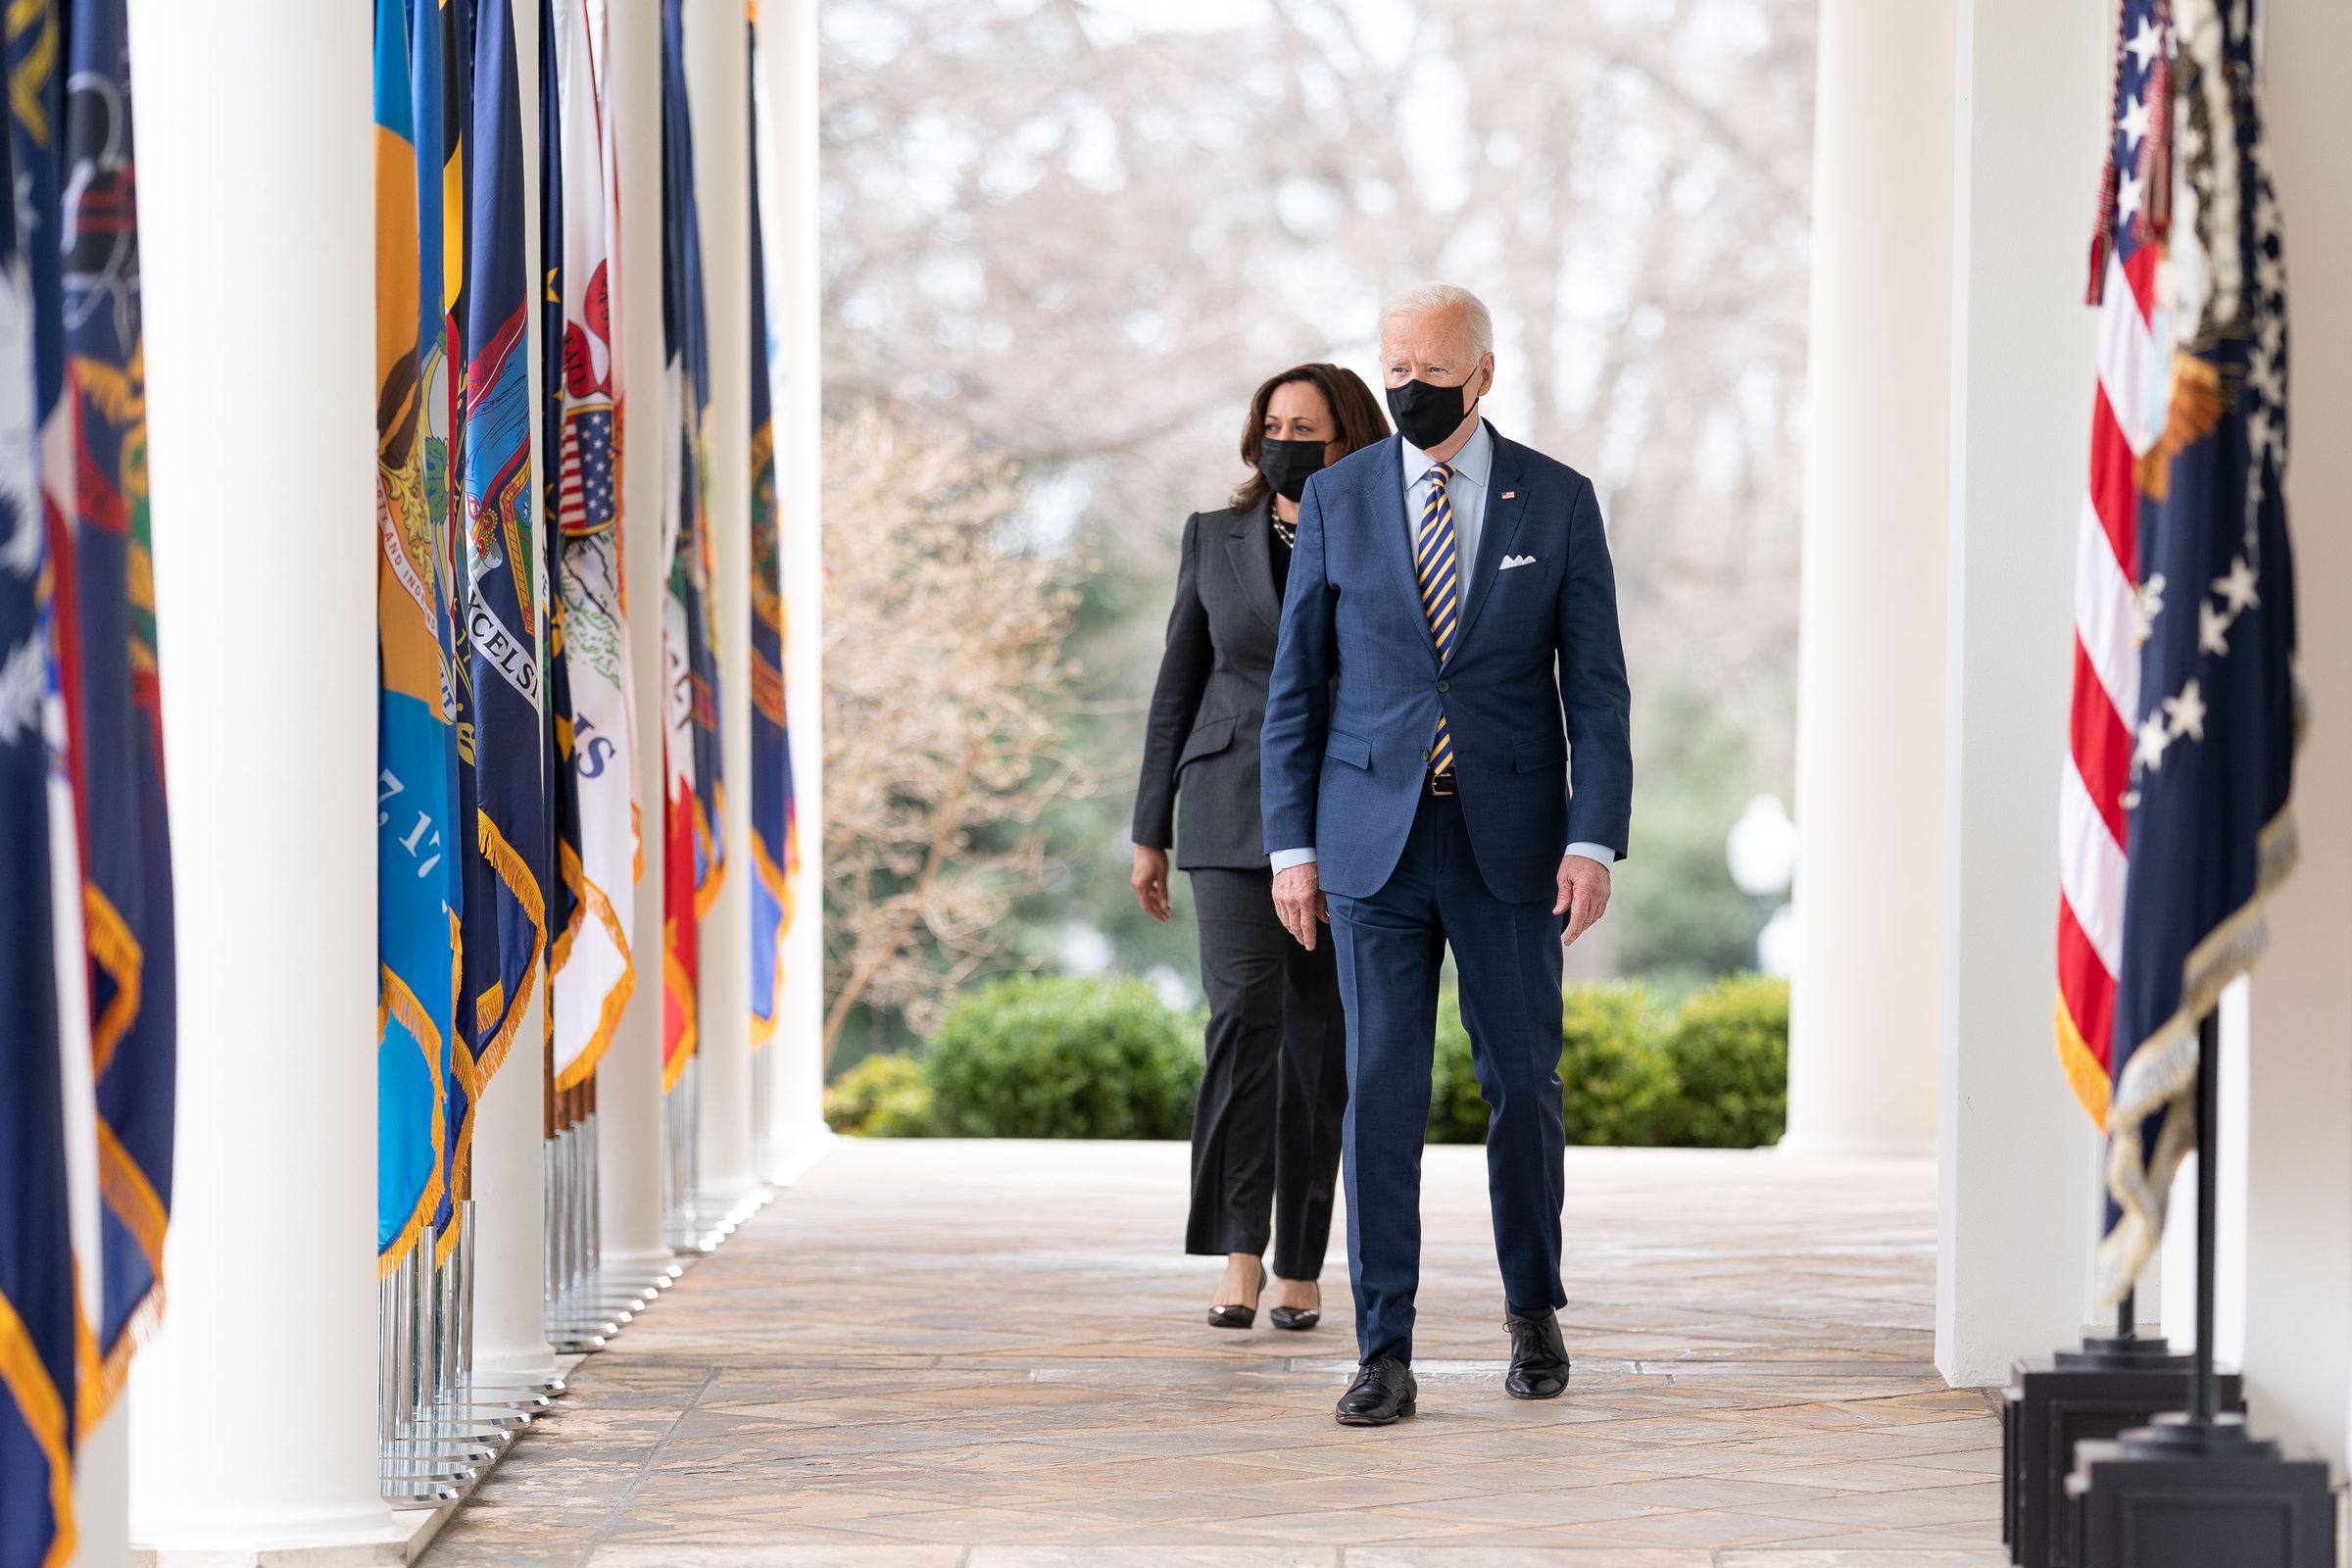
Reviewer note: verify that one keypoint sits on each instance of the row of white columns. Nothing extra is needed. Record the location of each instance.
(1956, 153)
(250, 1425)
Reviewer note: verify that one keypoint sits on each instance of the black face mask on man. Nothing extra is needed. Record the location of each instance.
(1289, 465)
(1427, 415)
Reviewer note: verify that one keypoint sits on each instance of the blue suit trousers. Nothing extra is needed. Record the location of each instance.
(1392, 946)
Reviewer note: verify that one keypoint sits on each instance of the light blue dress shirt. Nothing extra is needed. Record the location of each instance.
(1468, 490)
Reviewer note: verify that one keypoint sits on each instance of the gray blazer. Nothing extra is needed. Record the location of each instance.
(1200, 740)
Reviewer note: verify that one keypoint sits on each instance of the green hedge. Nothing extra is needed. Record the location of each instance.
(1727, 1049)
(1037, 1056)
(1041, 1057)
(882, 1097)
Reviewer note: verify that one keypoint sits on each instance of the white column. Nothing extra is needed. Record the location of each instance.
(2299, 1151)
(1870, 651)
(788, 168)
(510, 1181)
(254, 1409)
(628, 1095)
(102, 1492)
(718, 91)
(2012, 1222)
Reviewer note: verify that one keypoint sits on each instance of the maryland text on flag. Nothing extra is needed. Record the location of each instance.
(693, 857)
(2213, 724)
(418, 848)
(594, 973)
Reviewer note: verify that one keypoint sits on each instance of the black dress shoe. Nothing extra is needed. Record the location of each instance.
(1538, 1356)
(1236, 1317)
(1382, 1392)
(1295, 1318)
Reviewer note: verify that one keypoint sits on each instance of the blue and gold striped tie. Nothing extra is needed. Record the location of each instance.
(1434, 558)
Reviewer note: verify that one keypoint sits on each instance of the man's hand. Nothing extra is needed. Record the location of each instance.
(1151, 881)
(1584, 895)
(1298, 901)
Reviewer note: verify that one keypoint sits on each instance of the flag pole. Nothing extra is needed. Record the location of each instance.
(2203, 1430)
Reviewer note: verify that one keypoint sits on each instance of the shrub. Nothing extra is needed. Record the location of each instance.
(1042, 1057)
(1729, 1047)
(1457, 1113)
(882, 1097)
(1617, 1086)
(1620, 1088)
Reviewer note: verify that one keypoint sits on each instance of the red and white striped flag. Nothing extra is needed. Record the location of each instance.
(2125, 423)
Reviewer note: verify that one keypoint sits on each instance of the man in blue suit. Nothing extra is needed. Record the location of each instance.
(1445, 761)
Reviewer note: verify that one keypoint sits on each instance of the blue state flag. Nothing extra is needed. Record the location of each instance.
(37, 1309)
(418, 843)
(505, 914)
(118, 741)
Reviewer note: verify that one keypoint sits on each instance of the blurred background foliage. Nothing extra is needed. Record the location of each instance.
(1054, 1057)
(1064, 239)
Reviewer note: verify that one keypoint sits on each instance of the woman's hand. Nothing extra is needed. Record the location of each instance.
(1151, 881)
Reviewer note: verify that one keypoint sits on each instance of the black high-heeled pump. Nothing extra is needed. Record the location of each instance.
(1298, 1319)
(1238, 1317)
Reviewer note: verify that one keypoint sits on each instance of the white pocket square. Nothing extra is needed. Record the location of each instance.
(1508, 561)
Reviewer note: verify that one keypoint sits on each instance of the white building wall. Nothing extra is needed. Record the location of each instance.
(2014, 1217)
(2298, 1140)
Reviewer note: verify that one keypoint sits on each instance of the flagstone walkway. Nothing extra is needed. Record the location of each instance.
(934, 1354)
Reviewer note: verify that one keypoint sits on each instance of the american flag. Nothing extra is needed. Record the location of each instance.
(2186, 707)
(585, 505)
(2106, 698)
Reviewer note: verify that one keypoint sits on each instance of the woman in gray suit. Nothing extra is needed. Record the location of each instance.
(1266, 1131)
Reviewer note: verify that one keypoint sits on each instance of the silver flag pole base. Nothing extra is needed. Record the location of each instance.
(577, 1346)
(500, 1414)
(418, 1495)
(490, 1425)
(426, 1472)
(523, 1390)
(461, 1448)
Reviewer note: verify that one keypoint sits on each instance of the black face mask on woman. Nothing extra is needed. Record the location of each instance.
(1289, 465)
(1427, 415)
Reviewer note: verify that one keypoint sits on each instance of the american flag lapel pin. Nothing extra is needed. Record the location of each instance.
(1508, 494)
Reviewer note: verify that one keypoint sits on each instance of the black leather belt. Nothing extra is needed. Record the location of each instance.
(1441, 785)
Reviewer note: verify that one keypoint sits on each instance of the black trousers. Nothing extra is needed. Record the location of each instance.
(1266, 1130)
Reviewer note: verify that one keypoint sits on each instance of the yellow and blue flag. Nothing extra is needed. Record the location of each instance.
(505, 914)
(418, 843)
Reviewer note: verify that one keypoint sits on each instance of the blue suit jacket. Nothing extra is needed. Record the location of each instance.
(1534, 694)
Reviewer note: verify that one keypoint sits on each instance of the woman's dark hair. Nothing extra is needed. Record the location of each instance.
(1352, 406)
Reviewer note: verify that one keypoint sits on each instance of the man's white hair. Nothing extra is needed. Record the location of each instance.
(1423, 298)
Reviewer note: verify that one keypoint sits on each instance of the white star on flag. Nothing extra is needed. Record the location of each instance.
(2213, 630)
(2155, 737)
(2188, 712)
(2145, 43)
(2135, 124)
(2126, 199)
(2238, 586)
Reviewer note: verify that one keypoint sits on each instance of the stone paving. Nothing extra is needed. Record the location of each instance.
(939, 1354)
